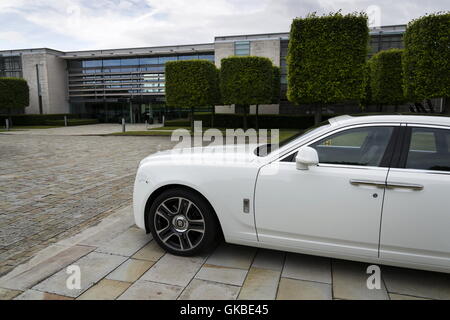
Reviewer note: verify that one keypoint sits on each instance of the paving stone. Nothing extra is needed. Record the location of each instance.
(127, 243)
(36, 273)
(7, 294)
(39, 295)
(306, 267)
(207, 290)
(290, 289)
(350, 282)
(174, 270)
(269, 259)
(151, 252)
(105, 290)
(222, 274)
(260, 284)
(146, 290)
(93, 267)
(433, 285)
(130, 270)
(232, 256)
(394, 296)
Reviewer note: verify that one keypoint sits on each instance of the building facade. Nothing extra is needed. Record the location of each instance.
(130, 83)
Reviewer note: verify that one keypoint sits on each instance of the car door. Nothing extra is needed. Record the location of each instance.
(334, 207)
(416, 215)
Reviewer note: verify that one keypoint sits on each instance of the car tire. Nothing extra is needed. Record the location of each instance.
(183, 223)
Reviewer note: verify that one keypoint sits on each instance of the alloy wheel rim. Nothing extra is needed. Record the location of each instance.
(179, 224)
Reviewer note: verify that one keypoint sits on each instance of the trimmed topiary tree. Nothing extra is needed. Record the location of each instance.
(246, 81)
(190, 84)
(326, 59)
(426, 59)
(366, 95)
(386, 78)
(14, 94)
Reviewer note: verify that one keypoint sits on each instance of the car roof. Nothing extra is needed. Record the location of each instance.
(398, 118)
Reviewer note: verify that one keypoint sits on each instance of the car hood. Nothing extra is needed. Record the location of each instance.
(221, 154)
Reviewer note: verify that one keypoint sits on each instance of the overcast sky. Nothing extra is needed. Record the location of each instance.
(102, 24)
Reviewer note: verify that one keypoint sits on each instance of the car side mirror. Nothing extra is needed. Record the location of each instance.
(306, 157)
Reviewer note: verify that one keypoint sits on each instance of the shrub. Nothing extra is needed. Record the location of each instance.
(386, 77)
(71, 122)
(14, 93)
(234, 121)
(426, 59)
(326, 59)
(191, 84)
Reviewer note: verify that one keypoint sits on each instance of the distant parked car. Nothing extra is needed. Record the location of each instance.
(370, 188)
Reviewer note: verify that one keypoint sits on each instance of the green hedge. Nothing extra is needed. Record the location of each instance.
(326, 58)
(36, 119)
(14, 93)
(386, 77)
(246, 80)
(71, 122)
(234, 121)
(426, 60)
(191, 83)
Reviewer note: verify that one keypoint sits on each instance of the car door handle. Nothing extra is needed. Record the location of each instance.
(379, 184)
(395, 185)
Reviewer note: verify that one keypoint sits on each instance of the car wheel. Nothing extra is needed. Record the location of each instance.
(182, 222)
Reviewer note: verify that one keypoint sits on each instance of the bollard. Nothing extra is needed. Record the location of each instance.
(65, 121)
(164, 120)
(146, 124)
(123, 125)
(7, 124)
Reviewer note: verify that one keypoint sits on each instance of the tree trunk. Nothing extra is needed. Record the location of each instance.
(245, 117)
(317, 114)
(213, 113)
(446, 105)
(10, 118)
(256, 119)
(191, 116)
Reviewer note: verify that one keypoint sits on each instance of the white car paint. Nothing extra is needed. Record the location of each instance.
(316, 211)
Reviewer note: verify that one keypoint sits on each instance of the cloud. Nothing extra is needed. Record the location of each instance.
(87, 24)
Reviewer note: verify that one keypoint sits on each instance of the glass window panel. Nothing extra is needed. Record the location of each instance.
(206, 57)
(152, 60)
(188, 57)
(111, 63)
(361, 146)
(242, 52)
(429, 149)
(163, 60)
(129, 62)
(92, 63)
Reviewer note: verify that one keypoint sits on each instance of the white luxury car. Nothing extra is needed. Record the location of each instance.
(368, 188)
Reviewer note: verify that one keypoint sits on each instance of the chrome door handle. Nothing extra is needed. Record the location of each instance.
(394, 185)
(379, 184)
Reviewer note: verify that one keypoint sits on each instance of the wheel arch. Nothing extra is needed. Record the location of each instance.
(161, 189)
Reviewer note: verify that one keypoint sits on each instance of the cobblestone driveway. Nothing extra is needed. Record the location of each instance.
(54, 186)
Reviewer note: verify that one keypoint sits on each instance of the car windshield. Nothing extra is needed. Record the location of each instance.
(266, 149)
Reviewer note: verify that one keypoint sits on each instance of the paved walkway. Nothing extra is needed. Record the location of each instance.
(119, 261)
(94, 129)
(54, 186)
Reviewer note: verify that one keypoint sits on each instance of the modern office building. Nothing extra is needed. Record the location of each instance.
(130, 83)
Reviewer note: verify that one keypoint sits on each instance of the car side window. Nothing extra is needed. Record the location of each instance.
(429, 149)
(360, 146)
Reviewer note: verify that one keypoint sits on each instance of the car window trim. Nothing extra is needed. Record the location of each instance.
(293, 151)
